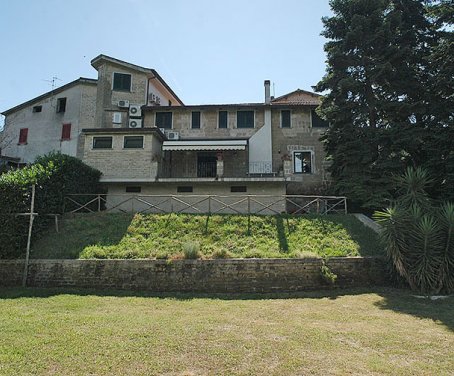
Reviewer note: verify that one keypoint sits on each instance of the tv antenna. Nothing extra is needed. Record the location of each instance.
(53, 82)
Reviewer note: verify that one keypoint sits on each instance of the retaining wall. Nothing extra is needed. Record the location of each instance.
(231, 275)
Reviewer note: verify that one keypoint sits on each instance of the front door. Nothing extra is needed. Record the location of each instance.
(206, 165)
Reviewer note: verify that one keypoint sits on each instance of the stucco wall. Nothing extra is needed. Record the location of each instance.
(45, 127)
(117, 194)
(232, 276)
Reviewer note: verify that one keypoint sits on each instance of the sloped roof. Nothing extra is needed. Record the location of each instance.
(298, 97)
(98, 60)
(81, 80)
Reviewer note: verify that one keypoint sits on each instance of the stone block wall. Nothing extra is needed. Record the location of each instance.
(226, 276)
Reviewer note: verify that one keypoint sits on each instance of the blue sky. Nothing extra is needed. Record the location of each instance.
(207, 51)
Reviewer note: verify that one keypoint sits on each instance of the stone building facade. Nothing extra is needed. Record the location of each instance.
(146, 141)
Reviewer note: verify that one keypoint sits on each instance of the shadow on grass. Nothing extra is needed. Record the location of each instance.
(80, 231)
(397, 300)
(441, 311)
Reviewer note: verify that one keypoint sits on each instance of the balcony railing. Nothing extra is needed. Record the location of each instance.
(260, 168)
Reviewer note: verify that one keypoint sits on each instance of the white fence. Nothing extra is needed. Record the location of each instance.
(205, 204)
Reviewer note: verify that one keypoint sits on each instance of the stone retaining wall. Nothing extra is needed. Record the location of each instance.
(231, 275)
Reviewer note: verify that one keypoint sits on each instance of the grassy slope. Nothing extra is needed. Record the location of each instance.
(144, 236)
(384, 332)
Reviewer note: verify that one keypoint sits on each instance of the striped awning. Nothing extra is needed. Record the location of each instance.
(212, 145)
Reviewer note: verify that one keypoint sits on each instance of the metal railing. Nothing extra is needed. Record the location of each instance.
(206, 204)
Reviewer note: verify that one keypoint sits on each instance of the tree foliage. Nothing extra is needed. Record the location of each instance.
(388, 101)
(419, 236)
(55, 175)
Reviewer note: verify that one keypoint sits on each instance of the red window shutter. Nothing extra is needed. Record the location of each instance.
(23, 136)
(66, 132)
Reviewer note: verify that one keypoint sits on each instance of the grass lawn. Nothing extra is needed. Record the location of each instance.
(355, 332)
(165, 236)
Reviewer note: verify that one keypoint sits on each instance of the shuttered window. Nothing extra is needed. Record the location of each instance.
(222, 119)
(245, 119)
(66, 132)
(23, 135)
(164, 120)
(286, 119)
(195, 124)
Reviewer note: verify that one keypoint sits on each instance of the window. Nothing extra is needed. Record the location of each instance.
(102, 142)
(133, 142)
(184, 189)
(286, 119)
(195, 123)
(37, 108)
(116, 118)
(164, 120)
(317, 121)
(222, 119)
(121, 82)
(23, 134)
(238, 188)
(66, 132)
(133, 189)
(245, 119)
(61, 105)
(302, 162)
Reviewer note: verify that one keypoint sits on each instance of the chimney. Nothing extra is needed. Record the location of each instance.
(267, 92)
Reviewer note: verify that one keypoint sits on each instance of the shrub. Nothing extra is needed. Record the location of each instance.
(419, 236)
(327, 275)
(191, 250)
(55, 175)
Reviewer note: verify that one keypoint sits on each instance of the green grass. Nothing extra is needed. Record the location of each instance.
(166, 236)
(354, 332)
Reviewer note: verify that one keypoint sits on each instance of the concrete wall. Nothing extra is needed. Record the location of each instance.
(45, 127)
(231, 276)
(123, 163)
(117, 195)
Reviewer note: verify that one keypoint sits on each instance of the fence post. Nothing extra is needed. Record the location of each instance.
(345, 205)
(99, 203)
(249, 215)
(209, 204)
(30, 226)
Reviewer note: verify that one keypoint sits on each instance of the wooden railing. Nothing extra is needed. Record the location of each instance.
(205, 204)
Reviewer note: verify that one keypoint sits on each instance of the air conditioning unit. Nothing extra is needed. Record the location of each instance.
(123, 103)
(135, 123)
(135, 111)
(171, 135)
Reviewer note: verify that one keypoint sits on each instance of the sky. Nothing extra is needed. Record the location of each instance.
(208, 51)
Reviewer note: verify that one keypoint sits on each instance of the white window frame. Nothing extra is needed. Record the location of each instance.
(93, 143)
(116, 118)
(143, 142)
(312, 162)
(227, 113)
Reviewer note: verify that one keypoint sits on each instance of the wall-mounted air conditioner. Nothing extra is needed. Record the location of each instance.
(135, 123)
(135, 111)
(171, 135)
(123, 103)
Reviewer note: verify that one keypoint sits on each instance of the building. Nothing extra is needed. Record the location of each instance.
(146, 141)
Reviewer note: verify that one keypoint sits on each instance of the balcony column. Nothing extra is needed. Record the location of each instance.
(220, 165)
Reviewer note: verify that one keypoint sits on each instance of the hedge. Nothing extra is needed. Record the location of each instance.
(55, 175)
